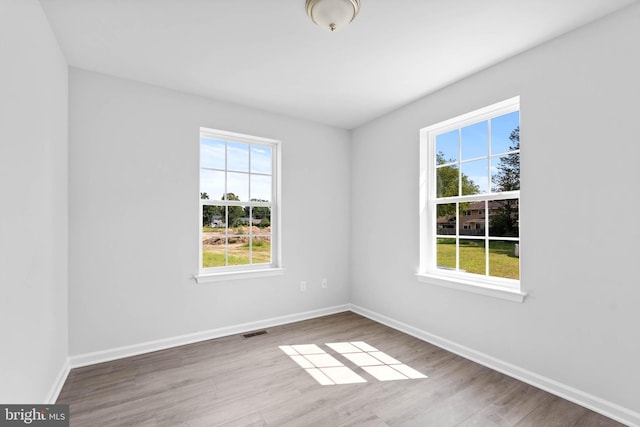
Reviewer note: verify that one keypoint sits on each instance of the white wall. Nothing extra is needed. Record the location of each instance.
(580, 172)
(133, 215)
(33, 213)
(133, 203)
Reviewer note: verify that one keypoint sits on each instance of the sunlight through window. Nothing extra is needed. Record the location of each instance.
(323, 367)
(327, 370)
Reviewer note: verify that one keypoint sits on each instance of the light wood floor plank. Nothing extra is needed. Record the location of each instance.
(554, 412)
(233, 381)
(509, 409)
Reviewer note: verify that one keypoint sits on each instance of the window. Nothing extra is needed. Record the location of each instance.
(238, 203)
(471, 165)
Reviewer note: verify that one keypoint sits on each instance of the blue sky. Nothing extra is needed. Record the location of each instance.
(472, 142)
(249, 169)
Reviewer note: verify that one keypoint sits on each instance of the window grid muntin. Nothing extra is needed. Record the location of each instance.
(432, 199)
(250, 141)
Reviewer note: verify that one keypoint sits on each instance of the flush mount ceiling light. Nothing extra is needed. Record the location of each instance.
(332, 14)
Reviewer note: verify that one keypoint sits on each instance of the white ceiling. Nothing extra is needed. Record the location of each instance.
(268, 54)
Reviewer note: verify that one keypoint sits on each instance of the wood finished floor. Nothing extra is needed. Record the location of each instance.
(233, 381)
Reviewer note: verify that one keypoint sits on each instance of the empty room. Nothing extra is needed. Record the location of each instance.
(319, 212)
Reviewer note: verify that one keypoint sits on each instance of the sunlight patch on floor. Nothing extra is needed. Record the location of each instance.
(327, 370)
(322, 366)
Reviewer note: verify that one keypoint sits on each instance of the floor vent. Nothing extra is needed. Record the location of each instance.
(253, 334)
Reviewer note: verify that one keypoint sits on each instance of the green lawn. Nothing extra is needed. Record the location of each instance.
(213, 248)
(502, 261)
(214, 255)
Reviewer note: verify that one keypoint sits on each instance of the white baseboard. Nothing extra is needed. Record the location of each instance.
(162, 344)
(53, 394)
(602, 406)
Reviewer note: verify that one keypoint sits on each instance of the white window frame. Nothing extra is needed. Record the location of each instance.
(509, 289)
(224, 273)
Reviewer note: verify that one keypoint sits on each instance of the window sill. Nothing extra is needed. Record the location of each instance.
(473, 287)
(237, 275)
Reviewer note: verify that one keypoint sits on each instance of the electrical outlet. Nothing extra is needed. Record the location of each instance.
(303, 286)
(324, 283)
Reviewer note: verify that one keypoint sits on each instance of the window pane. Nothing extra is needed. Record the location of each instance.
(214, 217)
(261, 188)
(475, 177)
(447, 179)
(475, 140)
(446, 223)
(504, 218)
(237, 156)
(447, 147)
(261, 159)
(502, 137)
(213, 237)
(238, 186)
(211, 153)
(213, 255)
(446, 253)
(505, 172)
(237, 219)
(239, 251)
(504, 259)
(261, 249)
(238, 243)
(211, 184)
(472, 256)
(472, 218)
(261, 220)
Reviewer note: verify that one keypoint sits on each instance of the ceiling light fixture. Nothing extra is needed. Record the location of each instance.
(332, 14)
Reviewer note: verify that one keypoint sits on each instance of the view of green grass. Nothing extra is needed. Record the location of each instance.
(214, 255)
(472, 256)
(213, 245)
(446, 253)
(502, 259)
